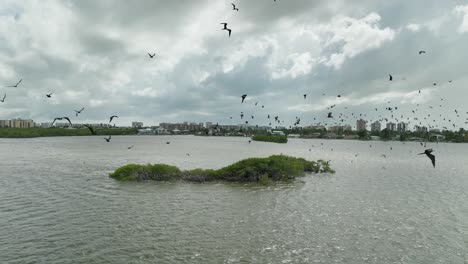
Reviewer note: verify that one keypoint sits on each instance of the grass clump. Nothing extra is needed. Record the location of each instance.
(271, 138)
(261, 170)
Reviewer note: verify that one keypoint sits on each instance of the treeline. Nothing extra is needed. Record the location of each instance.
(271, 138)
(61, 132)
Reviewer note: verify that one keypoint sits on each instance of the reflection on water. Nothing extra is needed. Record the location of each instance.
(57, 204)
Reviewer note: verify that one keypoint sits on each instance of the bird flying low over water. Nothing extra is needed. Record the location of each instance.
(79, 112)
(61, 118)
(243, 97)
(16, 85)
(225, 28)
(234, 7)
(429, 155)
(108, 139)
(3, 100)
(112, 117)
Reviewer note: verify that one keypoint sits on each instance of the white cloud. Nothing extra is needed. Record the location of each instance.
(413, 27)
(355, 36)
(462, 10)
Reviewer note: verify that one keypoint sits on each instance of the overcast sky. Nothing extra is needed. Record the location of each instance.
(93, 54)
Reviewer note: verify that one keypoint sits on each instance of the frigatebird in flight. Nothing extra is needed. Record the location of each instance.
(108, 139)
(112, 117)
(151, 55)
(225, 28)
(429, 155)
(234, 7)
(16, 85)
(78, 112)
(243, 97)
(61, 118)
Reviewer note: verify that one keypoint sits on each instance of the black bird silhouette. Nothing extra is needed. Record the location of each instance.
(130, 147)
(225, 28)
(16, 85)
(429, 155)
(421, 52)
(79, 112)
(330, 115)
(49, 95)
(243, 97)
(151, 55)
(112, 117)
(108, 139)
(3, 100)
(168, 142)
(234, 7)
(61, 118)
(91, 129)
(390, 77)
(305, 96)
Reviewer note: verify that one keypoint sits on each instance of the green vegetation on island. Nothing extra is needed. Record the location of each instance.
(259, 170)
(61, 132)
(271, 138)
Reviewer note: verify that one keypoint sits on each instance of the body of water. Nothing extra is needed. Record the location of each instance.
(58, 205)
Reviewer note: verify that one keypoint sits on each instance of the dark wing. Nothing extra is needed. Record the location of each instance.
(4, 98)
(81, 109)
(233, 6)
(229, 32)
(68, 119)
(55, 119)
(91, 129)
(19, 82)
(432, 157)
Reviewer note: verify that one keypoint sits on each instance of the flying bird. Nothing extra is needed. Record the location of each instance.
(49, 95)
(243, 97)
(151, 55)
(108, 139)
(422, 52)
(16, 85)
(330, 115)
(112, 117)
(3, 100)
(78, 112)
(131, 147)
(390, 77)
(225, 28)
(234, 7)
(429, 155)
(61, 118)
(91, 129)
(305, 96)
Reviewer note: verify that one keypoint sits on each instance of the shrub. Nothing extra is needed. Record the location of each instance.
(271, 138)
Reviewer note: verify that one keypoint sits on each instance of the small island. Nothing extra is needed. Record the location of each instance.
(276, 168)
(271, 138)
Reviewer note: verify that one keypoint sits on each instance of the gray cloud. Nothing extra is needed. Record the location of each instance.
(93, 54)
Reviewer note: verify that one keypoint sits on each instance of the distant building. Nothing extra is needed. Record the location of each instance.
(435, 130)
(19, 123)
(361, 125)
(208, 124)
(277, 132)
(340, 128)
(421, 129)
(4, 123)
(391, 126)
(376, 126)
(137, 124)
(315, 127)
(182, 126)
(402, 127)
(46, 125)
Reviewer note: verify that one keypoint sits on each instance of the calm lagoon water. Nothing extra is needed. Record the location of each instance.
(58, 205)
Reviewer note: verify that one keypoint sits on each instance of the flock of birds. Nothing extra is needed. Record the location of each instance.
(339, 118)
